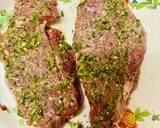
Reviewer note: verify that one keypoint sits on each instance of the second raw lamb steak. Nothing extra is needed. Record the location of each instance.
(110, 45)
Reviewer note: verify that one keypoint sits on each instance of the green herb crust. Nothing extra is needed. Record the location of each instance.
(21, 49)
(106, 78)
(103, 41)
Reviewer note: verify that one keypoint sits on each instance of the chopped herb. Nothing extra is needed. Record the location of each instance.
(102, 24)
(60, 106)
(35, 40)
(62, 14)
(3, 13)
(36, 18)
(75, 125)
(77, 46)
(65, 1)
(63, 86)
(44, 6)
(96, 98)
(51, 63)
(63, 46)
(82, 2)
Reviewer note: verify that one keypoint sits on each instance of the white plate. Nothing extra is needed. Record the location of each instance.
(146, 96)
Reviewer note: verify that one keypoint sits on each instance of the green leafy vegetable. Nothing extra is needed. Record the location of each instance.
(140, 115)
(65, 1)
(151, 4)
(78, 46)
(149, 1)
(141, 5)
(155, 2)
(4, 20)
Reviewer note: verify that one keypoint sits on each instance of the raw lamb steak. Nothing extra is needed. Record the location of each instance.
(40, 66)
(110, 45)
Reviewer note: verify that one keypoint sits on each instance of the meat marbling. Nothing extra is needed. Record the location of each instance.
(110, 45)
(40, 65)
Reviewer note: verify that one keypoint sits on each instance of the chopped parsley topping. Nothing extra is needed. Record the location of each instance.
(75, 125)
(82, 2)
(62, 14)
(77, 47)
(63, 46)
(36, 19)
